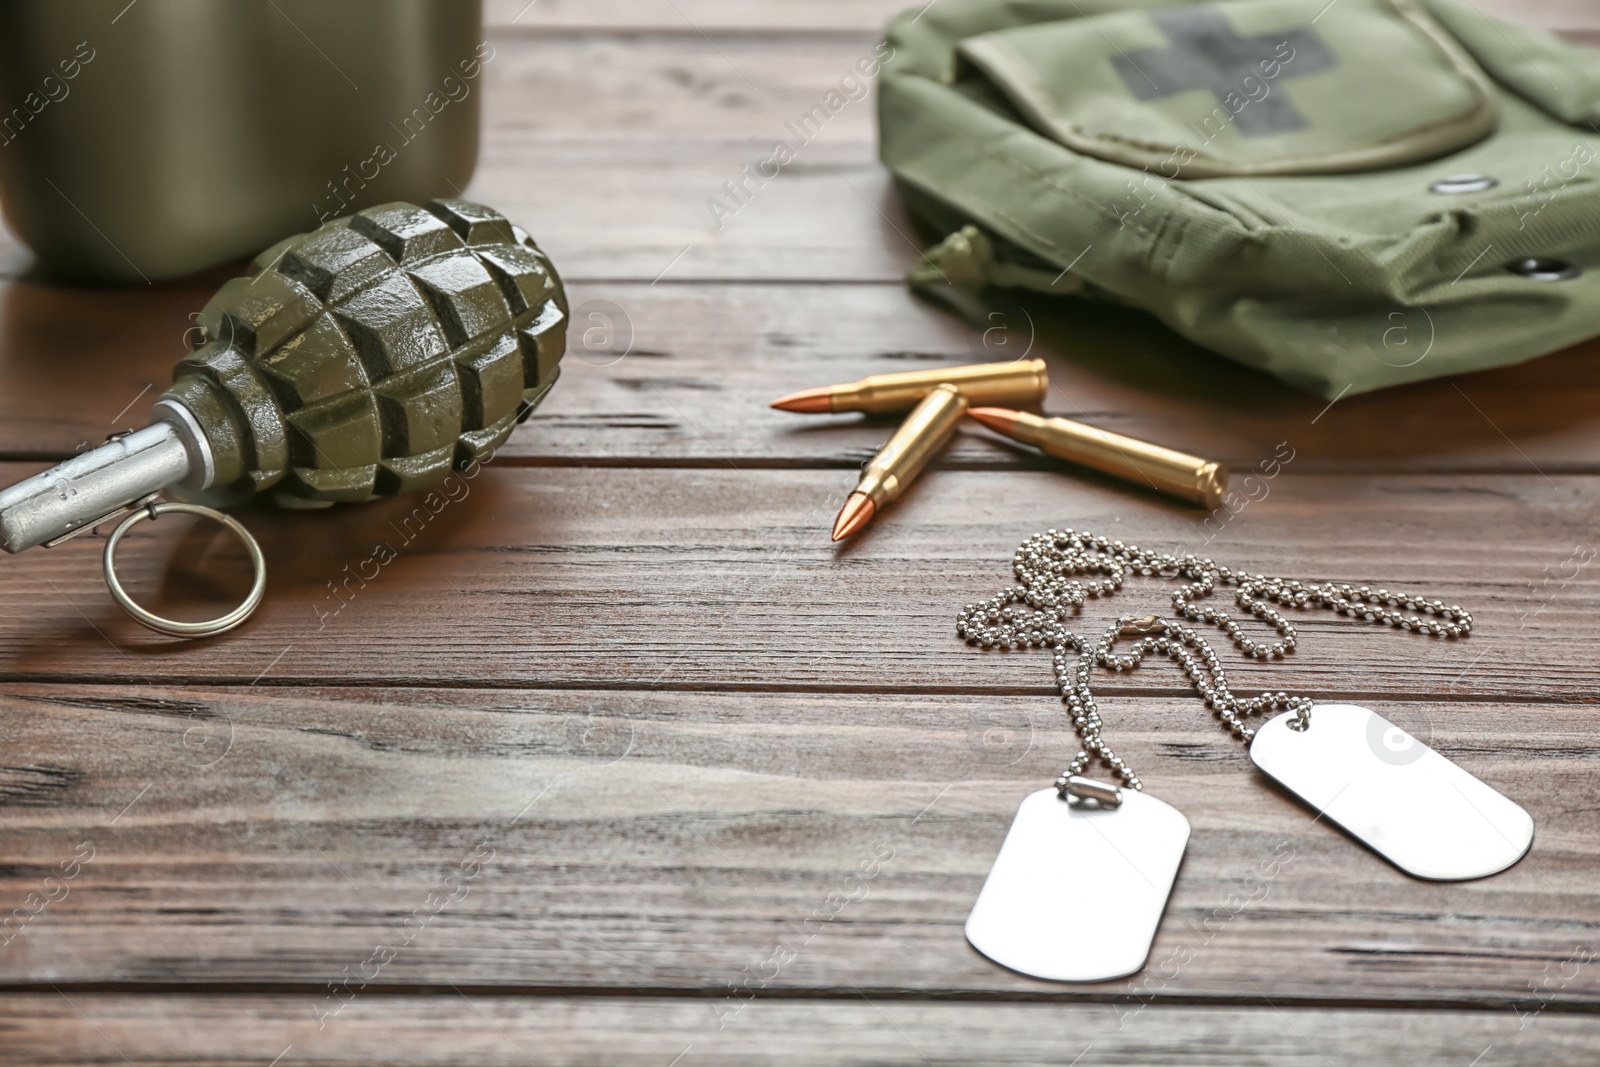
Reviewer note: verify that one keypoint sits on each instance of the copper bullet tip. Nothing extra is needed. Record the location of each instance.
(857, 512)
(807, 401)
(1000, 420)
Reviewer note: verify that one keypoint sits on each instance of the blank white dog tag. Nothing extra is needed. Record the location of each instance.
(1402, 799)
(1078, 890)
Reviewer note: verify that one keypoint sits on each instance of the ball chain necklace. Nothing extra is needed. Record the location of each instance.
(1408, 803)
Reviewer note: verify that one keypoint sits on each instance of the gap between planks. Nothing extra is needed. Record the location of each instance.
(309, 682)
(639, 1032)
(824, 993)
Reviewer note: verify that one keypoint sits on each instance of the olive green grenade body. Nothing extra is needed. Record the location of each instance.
(365, 359)
(375, 354)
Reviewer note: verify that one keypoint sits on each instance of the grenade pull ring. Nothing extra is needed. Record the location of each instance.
(151, 508)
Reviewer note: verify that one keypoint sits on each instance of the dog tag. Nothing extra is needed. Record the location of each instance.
(1400, 798)
(1078, 890)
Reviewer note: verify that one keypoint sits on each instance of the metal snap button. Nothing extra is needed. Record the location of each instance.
(1544, 269)
(1463, 183)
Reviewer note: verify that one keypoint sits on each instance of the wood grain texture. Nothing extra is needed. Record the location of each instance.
(616, 729)
(725, 845)
(47, 1031)
(724, 578)
(681, 375)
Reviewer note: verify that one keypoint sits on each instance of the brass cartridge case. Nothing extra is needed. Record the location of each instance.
(1020, 383)
(1198, 481)
(924, 432)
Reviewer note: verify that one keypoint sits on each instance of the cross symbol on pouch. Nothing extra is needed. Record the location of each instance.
(1206, 53)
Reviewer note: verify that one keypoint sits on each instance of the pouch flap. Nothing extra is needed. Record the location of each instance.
(1244, 87)
(1561, 77)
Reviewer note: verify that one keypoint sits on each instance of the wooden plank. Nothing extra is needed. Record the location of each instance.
(45, 1031)
(611, 151)
(725, 578)
(608, 88)
(681, 375)
(638, 212)
(714, 578)
(654, 841)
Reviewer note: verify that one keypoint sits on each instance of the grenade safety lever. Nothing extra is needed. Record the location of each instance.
(365, 359)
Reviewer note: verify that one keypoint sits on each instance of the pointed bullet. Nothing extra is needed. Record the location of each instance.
(1000, 420)
(807, 401)
(857, 512)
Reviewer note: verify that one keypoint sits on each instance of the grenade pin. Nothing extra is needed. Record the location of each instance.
(124, 478)
(370, 357)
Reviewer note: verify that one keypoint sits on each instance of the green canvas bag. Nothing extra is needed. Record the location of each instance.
(1347, 195)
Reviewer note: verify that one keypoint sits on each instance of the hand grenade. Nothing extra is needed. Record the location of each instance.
(367, 358)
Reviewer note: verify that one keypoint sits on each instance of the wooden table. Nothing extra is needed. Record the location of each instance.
(583, 775)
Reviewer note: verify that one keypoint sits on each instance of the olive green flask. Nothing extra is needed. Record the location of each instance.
(148, 140)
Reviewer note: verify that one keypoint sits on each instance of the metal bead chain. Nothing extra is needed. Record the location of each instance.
(1049, 567)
